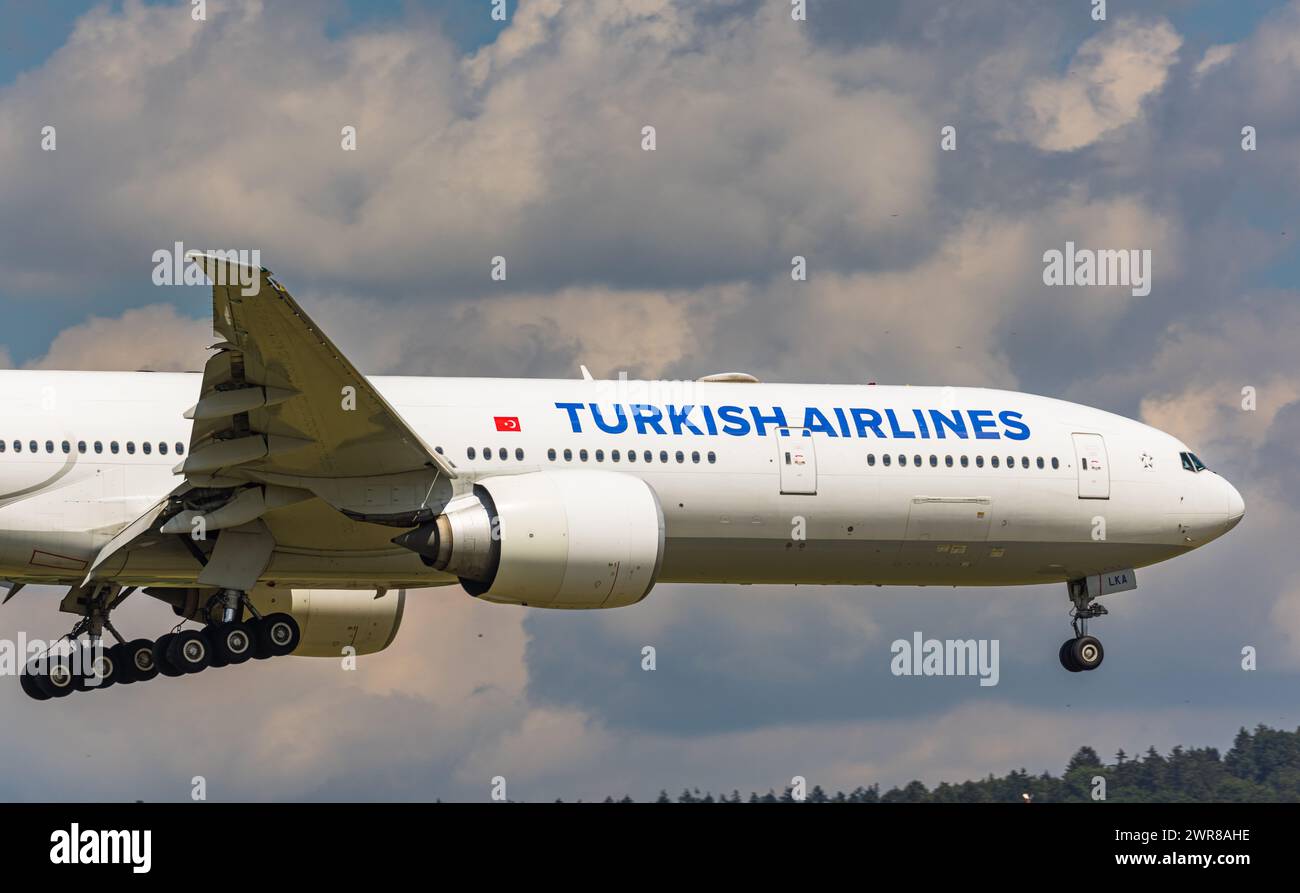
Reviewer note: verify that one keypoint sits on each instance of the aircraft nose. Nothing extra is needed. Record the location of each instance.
(1236, 506)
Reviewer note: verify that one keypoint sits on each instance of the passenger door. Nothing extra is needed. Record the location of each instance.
(1094, 467)
(798, 461)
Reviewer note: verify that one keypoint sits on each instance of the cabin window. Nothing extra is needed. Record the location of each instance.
(681, 457)
(631, 455)
(147, 447)
(67, 448)
(99, 448)
(648, 456)
(871, 458)
(934, 461)
(884, 459)
(550, 454)
(614, 454)
(470, 453)
(583, 455)
(713, 457)
(965, 461)
(180, 448)
(49, 446)
(663, 456)
(568, 455)
(902, 460)
(600, 455)
(695, 457)
(1056, 463)
(947, 460)
(114, 448)
(979, 461)
(130, 447)
(1040, 461)
(519, 454)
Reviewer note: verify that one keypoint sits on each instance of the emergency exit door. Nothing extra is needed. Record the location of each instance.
(1094, 469)
(797, 460)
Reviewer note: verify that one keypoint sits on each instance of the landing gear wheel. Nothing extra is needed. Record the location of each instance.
(31, 687)
(58, 680)
(120, 655)
(139, 661)
(1066, 660)
(190, 652)
(100, 671)
(1086, 652)
(233, 642)
(279, 634)
(160, 659)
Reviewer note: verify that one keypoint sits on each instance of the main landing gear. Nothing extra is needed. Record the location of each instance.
(86, 666)
(1083, 652)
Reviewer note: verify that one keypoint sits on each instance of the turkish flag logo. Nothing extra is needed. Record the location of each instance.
(507, 422)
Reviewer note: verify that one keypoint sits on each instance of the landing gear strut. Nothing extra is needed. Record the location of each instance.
(231, 640)
(1083, 652)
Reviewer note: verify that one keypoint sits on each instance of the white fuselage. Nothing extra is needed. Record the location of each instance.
(740, 506)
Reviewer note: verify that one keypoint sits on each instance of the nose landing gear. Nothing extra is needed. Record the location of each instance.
(1083, 652)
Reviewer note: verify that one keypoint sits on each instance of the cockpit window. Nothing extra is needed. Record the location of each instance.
(1200, 466)
(1191, 462)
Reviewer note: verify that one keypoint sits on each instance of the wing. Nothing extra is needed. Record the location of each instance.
(278, 397)
(293, 455)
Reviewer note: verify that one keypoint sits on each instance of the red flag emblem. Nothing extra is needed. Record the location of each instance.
(507, 422)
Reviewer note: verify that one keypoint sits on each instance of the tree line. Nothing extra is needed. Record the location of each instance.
(1263, 766)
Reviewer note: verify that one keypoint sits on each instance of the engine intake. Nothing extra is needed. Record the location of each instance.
(550, 539)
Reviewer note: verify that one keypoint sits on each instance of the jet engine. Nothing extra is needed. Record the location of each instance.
(549, 539)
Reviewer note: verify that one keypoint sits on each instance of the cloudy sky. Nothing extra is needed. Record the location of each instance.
(775, 138)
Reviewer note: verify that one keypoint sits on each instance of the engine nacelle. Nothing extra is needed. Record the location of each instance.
(333, 619)
(330, 619)
(550, 539)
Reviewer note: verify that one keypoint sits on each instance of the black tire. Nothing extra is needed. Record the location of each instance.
(101, 670)
(140, 664)
(1067, 660)
(234, 642)
(123, 672)
(31, 687)
(211, 634)
(160, 659)
(279, 634)
(58, 680)
(1086, 652)
(190, 651)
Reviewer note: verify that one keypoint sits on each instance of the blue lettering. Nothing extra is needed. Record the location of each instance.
(647, 415)
(871, 422)
(734, 417)
(844, 421)
(572, 410)
(981, 425)
(955, 424)
(678, 419)
(893, 427)
(813, 420)
(777, 418)
(920, 420)
(1012, 420)
(603, 425)
(709, 423)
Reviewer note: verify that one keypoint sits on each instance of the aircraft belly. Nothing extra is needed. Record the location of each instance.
(886, 562)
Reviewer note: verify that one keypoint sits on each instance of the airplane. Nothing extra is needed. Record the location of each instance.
(283, 503)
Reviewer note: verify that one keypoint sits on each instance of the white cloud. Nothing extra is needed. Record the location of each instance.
(1104, 87)
(156, 338)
